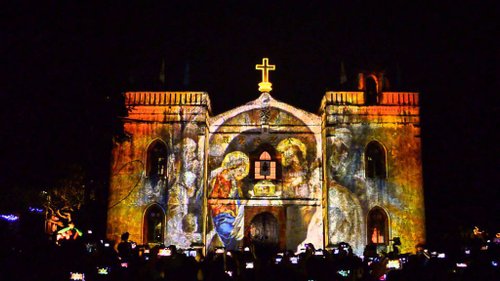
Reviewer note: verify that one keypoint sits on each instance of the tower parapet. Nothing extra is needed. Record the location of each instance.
(350, 107)
(167, 98)
(168, 106)
(358, 98)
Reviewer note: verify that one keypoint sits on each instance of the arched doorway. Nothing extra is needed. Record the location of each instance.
(264, 231)
(154, 224)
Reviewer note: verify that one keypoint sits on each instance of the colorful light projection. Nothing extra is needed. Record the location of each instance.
(158, 175)
(69, 233)
(373, 163)
(351, 174)
(225, 182)
(35, 210)
(273, 133)
(9, 217)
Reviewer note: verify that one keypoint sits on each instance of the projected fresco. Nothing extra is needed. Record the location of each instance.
(158, 176)
(279, 153)
(374, 178)
(225, 182)
(269, 174)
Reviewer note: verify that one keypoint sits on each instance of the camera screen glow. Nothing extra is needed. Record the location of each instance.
(103, 270)
(164, 252)
(76, 276)
(344, 273)
(394, 264)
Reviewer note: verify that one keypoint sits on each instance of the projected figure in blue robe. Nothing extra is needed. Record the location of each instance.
(225, 182)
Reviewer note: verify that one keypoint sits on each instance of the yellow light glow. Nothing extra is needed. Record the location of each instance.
(265, 86)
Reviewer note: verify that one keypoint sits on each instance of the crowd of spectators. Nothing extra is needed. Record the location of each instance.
(88, 258)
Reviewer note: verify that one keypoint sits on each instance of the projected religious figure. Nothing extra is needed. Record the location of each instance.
(225, 182)
(183, 195)
(178, 198)
(339, 160)
(345, 215)
(293, 153)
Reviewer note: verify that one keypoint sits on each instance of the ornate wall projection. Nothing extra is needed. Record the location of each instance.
(373, 160)
(270, 174)
(161, 164)
(265, 132)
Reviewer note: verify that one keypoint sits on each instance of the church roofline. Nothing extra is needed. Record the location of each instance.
(265, 100)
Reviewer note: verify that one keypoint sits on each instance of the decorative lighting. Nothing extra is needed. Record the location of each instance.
(35, 210)
(9, 217)
(265, 86)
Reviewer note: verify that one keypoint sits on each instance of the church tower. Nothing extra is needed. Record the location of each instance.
(157, 174)
(372, 166)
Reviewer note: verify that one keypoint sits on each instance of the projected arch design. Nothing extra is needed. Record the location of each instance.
(265, 165)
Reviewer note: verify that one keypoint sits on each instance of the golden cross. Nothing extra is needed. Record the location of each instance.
(265, 67)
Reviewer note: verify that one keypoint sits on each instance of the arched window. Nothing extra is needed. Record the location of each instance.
(154, 224)
(265, 168)
(156, 166)
(375, 161)
(371, 90)
(378, 226)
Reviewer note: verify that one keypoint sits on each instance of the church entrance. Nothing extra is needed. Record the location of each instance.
(264, 231)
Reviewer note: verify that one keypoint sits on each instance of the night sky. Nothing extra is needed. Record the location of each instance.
(65, 65)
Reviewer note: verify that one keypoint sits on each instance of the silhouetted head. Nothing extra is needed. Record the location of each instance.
(125, 236)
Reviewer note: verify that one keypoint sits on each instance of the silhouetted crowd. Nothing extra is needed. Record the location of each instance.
(88, 258)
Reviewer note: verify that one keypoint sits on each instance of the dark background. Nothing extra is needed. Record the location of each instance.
(65, 65)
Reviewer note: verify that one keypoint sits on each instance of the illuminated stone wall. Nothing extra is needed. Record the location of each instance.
(350, 126)
(177, 121)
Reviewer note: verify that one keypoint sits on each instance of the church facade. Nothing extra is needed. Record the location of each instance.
(269, 173)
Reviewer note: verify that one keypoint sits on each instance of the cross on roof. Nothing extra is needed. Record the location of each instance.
(265, 67)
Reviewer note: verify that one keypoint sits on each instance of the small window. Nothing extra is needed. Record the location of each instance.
(378, 232)
(375, 161)
(265, 168)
